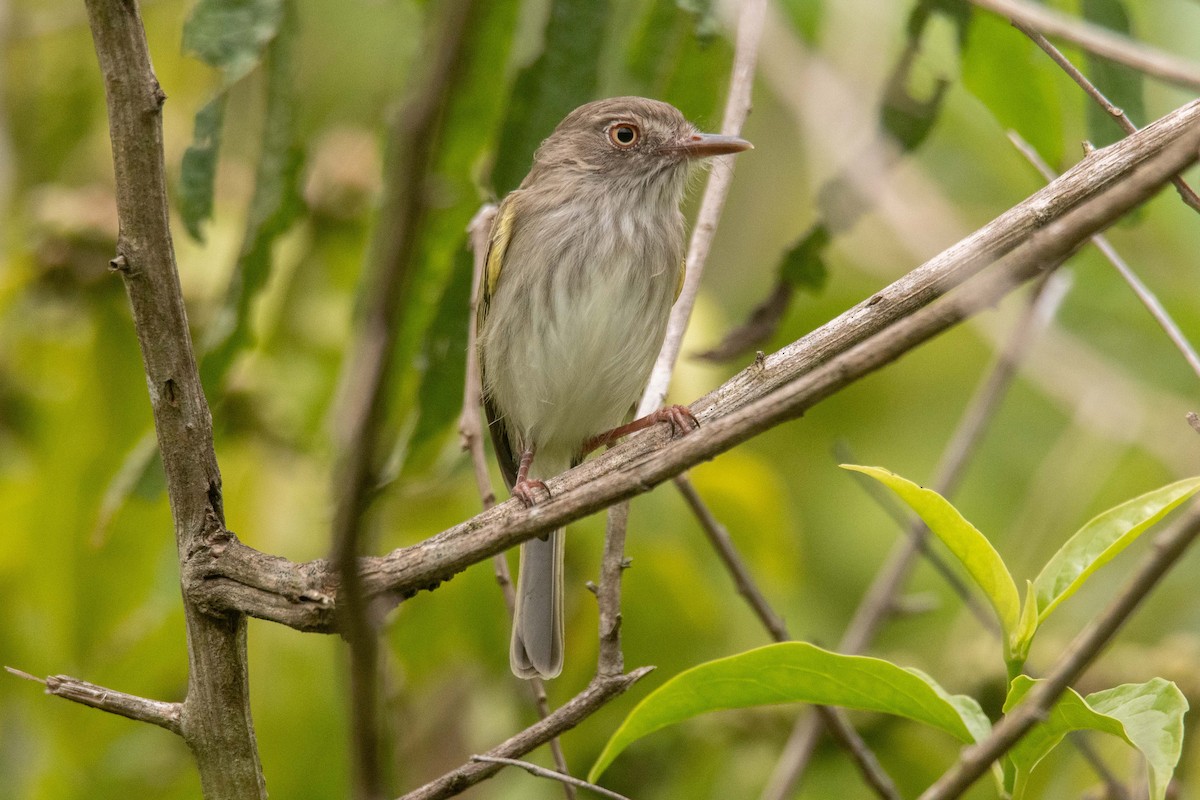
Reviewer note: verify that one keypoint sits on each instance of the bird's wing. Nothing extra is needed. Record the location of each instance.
(502, 231)
(682, 277)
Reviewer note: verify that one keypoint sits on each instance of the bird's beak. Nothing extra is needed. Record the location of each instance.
(703, 145)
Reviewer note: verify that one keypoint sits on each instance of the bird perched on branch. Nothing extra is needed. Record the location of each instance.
(584, 262)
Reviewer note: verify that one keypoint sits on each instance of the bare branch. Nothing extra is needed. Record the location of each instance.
(1186, 193)
(1098, 40)
(1168, 548)
(769, 392)
(1143, 292)
(601, 690)
(610, 660)
(1194, 420)
(542, 772)
(216, 720)
(845, 735)
(156, 712)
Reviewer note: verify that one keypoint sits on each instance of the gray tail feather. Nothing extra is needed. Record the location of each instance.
(537, 637)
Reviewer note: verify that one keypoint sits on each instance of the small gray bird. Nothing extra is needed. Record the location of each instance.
(584, 262)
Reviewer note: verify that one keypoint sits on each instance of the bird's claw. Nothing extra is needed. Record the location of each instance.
(525, 491)
(681, 418)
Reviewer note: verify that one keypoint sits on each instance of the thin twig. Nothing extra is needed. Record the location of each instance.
(737, 108)
(600, 691)
(542, 772)
(1143, 292)
(844, 734)
(1167, 550)
(1098, 40)
(156, 712)
(719, 538)
(1194, 420)
(470, 428)
(1186, 193)
(363, 402)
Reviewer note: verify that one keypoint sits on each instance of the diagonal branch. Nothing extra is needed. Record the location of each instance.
(1105, 185)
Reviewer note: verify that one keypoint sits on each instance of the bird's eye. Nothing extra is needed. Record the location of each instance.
(624, 135)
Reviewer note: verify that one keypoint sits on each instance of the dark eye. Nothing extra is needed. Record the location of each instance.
(624, 134)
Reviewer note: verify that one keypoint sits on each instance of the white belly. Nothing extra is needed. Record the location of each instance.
(593, 346)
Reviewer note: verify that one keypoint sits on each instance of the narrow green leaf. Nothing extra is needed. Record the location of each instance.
(1152, 714)
(1026, 630)
(443, 363)
(968, 545)
(274, 206)
(1148, 716)
(563, 76)
(1097, 542)
(1122, 85)
(231, 36)
(797, 672)
(199, 167)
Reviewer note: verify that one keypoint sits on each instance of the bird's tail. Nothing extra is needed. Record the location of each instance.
(537, 637)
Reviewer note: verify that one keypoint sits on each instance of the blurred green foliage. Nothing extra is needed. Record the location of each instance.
(88, 573)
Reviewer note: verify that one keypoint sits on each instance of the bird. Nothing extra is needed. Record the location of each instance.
(584, 261)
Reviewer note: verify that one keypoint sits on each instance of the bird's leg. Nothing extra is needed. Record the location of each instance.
(681, 418)
(524, 487)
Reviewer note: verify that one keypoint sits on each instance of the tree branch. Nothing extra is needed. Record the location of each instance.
(780, 386)
(1168, 548)
(215, 716)
(156, 712)
(601, 690)
(1098, 40)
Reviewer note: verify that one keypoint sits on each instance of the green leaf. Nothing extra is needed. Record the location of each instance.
(1026, 629)
(797, 672)
(1122, 85)
(1148, 716)
(563, 77)
(968, 545)
(1097, 542)
(1152, 714)
(199, 167)
(274, 206)
(231, 35)
(1016, 82)
(803, 266)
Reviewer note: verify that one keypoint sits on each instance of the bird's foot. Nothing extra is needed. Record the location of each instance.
(681, 419)
(525, 490)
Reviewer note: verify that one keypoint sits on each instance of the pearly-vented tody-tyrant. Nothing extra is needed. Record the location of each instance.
(585, 260)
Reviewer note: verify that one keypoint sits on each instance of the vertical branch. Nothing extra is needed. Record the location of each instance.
(737, 107)
(215, 717)
(363, 402)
